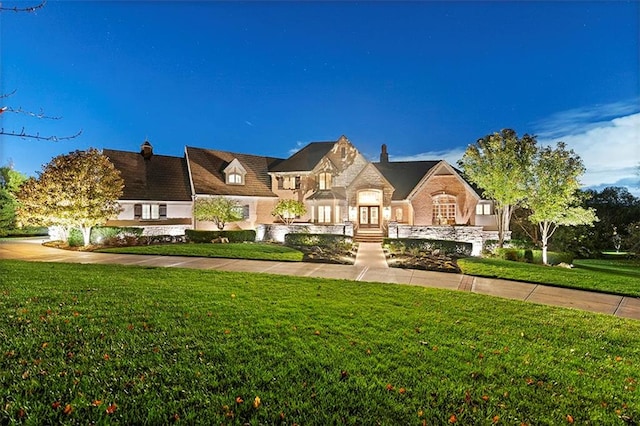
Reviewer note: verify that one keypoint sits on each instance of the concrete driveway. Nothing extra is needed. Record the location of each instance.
(370, 266)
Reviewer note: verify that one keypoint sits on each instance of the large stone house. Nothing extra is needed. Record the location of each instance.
(342, 190)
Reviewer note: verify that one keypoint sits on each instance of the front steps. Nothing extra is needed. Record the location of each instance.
(369, 236)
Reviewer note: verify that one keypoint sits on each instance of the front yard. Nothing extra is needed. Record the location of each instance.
(85, 344)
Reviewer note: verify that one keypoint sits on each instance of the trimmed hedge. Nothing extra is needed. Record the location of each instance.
(416, 245)
(233, 236)
(321, 240)
(533, 256)
(107, 236)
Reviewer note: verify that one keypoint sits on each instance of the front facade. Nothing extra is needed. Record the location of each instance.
(337, 184)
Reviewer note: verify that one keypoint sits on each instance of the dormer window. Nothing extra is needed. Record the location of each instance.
(235, 173)
(324, 181)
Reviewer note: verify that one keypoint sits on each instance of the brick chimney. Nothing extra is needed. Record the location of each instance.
(146, 150)
(384, 156)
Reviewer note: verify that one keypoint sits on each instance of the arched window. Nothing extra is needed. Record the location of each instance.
(444, 210)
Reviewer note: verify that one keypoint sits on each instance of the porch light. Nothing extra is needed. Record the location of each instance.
(386, 213)
(353, 214)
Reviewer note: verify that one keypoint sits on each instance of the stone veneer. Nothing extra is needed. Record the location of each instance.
(468, 234)
(277, 231)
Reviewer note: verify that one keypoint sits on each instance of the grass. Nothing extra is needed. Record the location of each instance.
(82, 344)
(255, 251)
(616, 277)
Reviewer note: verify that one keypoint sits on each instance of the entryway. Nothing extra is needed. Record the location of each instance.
(369, 216)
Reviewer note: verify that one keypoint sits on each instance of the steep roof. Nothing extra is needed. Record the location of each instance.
(160, 178)
(305, 159)
(207, 171)
(404, 175)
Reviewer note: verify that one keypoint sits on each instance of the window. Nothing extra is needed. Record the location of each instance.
(444, 210)
(398, 214)
(243, 211)
(324, 214)
(289, 182)
(150, 211)
(324, 181)
(235, 178)
(343, 152)
(483, 209)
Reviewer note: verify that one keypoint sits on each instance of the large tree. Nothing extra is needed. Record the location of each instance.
(77, 190)
(219, 210)
(498, 163)
(553, 187)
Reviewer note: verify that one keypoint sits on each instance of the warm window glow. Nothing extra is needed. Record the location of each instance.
(235, 178)
(444, 210)
(150, 211)
(483, 209)
(399, 214)
(324, 214)
(369, 197)
(324, 181)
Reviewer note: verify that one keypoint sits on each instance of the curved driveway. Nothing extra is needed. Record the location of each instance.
(370, 266)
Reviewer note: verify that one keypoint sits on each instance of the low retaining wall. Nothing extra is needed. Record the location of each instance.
(277, 231)
(468, 234)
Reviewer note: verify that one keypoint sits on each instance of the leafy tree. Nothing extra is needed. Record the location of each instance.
(219, 210)
(288, 210)
(633, 237)
(10, 181)
(77, 190)
(552, 186)
(498, 164)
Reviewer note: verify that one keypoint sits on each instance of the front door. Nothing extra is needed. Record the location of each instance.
(369, 216)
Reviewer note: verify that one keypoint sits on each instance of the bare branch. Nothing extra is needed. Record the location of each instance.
(27, 9)
(6, 95)
(41, 114)
(24, 135)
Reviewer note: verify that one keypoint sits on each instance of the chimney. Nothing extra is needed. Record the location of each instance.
(384, 156)
(146, 150)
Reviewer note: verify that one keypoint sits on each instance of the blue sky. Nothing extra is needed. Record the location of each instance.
(426, 78)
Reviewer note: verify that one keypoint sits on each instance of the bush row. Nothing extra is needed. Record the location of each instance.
(233, 236)
(533, 256)
(105, 235)
(331, 241)
(416, 245)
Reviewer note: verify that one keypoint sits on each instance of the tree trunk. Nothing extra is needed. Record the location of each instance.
(544, 237)
(86, 234)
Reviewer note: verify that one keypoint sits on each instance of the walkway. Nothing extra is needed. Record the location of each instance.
(370, 266)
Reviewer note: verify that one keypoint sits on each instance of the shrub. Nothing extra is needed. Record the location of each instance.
(417, 245)
(528, 256)
(113, 235)
(233, 236)
(330, 241)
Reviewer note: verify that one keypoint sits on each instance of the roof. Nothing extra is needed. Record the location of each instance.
(404, 175)
(207, 171)
(160, 178)
(306, 159)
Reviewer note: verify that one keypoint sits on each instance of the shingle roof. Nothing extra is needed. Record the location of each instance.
(404, 175)
(305, 159)
(161, 178)
(207, 168)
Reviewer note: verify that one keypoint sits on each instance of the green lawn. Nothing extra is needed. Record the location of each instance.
(256, 251)
(609, 276)
(84, 344)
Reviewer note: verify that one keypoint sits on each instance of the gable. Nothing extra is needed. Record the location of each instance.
(440, 171)
(404, 175)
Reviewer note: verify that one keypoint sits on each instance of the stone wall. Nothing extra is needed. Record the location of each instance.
(276, 232)
(468, 234)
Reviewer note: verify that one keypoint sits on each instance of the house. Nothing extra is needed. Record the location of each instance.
(343, 191)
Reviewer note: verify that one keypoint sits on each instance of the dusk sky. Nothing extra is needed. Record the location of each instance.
(425, 78)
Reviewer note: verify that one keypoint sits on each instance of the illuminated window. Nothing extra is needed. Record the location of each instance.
(483, 209)
(324, 214)
(235, 178)
(444, 210)
(324, 181)
(150, 211)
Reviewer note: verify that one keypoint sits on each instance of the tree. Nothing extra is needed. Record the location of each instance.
(219, 210)
(288, 210)
(10, 181)
(77, 190)
(552, 187)
(497, 164)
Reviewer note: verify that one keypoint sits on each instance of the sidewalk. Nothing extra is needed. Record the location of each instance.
(369, 266)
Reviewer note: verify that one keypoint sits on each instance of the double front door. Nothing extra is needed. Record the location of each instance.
(369, 216)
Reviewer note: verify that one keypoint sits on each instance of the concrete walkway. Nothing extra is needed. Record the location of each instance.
(370, 266)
